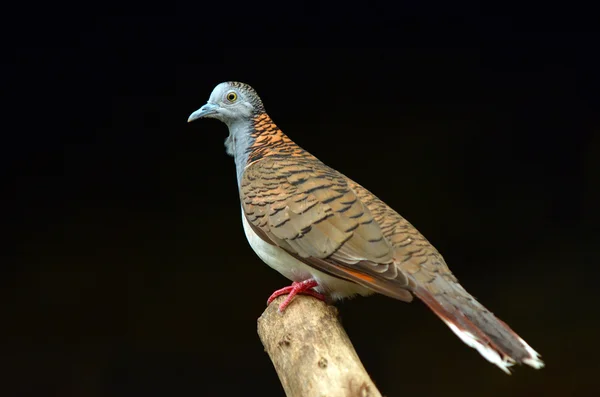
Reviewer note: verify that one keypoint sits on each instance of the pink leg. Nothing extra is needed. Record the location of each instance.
(305, 287)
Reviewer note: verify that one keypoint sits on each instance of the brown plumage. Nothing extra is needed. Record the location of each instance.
(309, 221)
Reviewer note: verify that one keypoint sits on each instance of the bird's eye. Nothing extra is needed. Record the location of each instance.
(232, 96)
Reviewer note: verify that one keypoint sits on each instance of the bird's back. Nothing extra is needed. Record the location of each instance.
(412, 251)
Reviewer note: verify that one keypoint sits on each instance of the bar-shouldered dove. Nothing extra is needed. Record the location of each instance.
(332, 237)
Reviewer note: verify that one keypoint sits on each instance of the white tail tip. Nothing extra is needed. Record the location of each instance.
(504, 363)
(533, 361)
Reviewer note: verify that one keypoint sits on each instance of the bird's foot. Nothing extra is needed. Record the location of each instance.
(304, 287)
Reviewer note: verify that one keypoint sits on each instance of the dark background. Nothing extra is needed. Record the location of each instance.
(125, 267)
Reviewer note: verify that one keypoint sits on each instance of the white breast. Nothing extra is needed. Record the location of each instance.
(295, 270)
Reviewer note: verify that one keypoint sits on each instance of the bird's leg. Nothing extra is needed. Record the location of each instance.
(304, 287)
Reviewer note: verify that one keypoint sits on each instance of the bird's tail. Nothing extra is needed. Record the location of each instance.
(477, 326)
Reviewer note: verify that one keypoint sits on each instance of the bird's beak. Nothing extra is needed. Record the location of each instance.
(206, 110)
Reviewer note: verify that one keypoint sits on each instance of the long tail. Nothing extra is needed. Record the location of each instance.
(477, 326)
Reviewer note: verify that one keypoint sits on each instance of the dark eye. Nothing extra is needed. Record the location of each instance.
(231, 96)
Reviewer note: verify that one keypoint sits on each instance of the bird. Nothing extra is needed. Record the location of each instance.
(334, 239)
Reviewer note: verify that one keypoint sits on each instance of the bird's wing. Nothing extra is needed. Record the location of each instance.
(310, 210)
(414, 254)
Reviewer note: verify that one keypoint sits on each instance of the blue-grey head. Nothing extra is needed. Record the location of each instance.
(237, 105)
(230, 102)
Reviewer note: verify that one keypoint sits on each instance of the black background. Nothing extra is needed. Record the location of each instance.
(126, 271)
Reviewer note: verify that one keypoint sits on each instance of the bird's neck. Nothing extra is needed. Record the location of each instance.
(238, 143)
(253, 139)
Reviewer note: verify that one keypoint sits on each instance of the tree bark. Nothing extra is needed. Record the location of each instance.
(311, 352)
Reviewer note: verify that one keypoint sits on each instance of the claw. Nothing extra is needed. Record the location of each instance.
(303, 287)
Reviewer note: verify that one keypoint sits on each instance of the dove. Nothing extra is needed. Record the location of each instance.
(335, 239)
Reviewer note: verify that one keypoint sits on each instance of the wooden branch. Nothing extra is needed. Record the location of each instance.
(311, 352)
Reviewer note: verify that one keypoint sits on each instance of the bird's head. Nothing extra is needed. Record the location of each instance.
(230, 102)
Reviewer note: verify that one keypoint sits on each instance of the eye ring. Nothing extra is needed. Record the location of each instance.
(231, 96)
